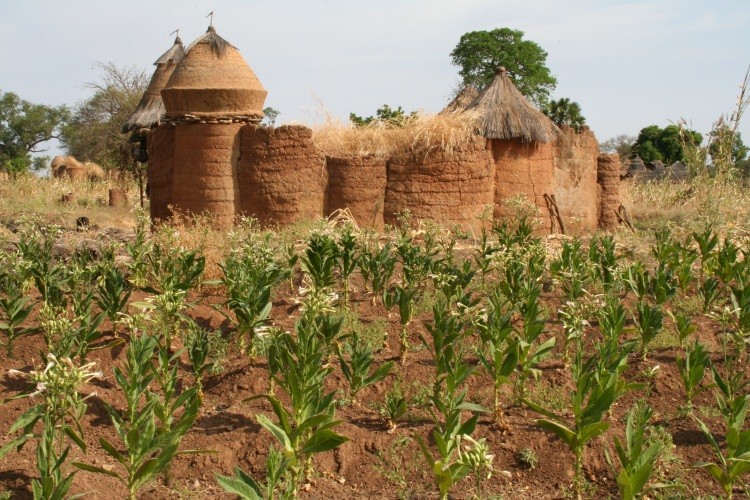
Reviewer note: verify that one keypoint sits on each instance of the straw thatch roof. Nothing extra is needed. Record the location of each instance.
(213, 80)
(462, 100)
(502, 112)
(151, 108)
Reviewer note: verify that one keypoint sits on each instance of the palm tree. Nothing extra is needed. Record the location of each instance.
(565, 112)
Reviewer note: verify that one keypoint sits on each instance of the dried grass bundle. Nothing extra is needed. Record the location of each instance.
(422, 134)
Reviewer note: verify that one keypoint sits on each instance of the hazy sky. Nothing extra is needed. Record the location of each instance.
(628, 64)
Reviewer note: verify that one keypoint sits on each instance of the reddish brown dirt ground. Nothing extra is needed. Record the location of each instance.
(373, 463)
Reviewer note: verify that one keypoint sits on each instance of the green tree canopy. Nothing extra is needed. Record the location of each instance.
(479, 53)
(385, 115)
(565, 112)
(726, 147)
(24, 128)
(94, 131)
(664, 144)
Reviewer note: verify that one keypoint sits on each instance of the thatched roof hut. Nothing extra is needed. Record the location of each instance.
(213, 80)
(151, 108)
(503, 113)
(462, 100)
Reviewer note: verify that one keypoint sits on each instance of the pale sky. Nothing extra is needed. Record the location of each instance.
(629, 64)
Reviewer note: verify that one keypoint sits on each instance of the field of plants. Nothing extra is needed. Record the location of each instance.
(323, 360)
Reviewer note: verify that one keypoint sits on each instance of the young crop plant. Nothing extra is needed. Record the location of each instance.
(298, 365)
(733, 459)
(598, 384)
(15, 304)
(403, 298)
(112, 293)
(531, 351)
(449, 399)
(355, 359)
(499, 351)
(692, 367)
(200, 350)
(59, 414)
(346, 261)
(319, 261)
(604, 261)
(377, 265)
(246, 488)
(138, 249)
(249, 274)
(570, 269)
(147, 447)
(394, 408)
(637, 454)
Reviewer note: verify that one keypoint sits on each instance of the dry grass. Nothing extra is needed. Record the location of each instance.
(422, 134)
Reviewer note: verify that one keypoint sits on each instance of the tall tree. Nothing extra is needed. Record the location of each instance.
(726, 147)
(94, 132)
(565, 112)
(621, 144)
(386, 116)
(665, 144)
(479, 53)
(24, 128)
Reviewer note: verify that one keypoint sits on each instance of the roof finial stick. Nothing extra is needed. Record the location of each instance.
(177, 31)
(211, 15)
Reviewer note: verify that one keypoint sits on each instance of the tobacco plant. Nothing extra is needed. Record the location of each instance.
(147, 447)
(598, 384)
(346, 260)
(637, 454)
(692, 367)
(112, 293)
(355, 359)
(733, 459)
(15, 305)
(59, 414)
(377, 265)
(531, 351)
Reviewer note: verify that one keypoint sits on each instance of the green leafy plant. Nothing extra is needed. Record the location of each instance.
(394, 408)
(637, 454)
(692, 367)
(403, 298)
(377, 266)
(527, 458)
(148, 446)
(356, 358)
(15, 306)
(59, 414)
(598, 385)
(245, 487)
(112, 293)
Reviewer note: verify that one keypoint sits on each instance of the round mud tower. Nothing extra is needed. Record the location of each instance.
(204, 174)
(575, 179)
(608, 178)
(448, 188)
(160, 171)
(282, 174)
(357, 183)
(523, 169)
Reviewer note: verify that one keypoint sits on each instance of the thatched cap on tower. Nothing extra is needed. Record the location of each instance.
(502, 112)
(213, 80)
(462, 100)
(151, 108)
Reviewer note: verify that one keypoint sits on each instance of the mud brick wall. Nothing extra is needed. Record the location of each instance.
(204, 175)
(357, 183)
(608, 179)
(160, 169)
(523, 169)
(575, 179)
(448, 188)
(282, 174)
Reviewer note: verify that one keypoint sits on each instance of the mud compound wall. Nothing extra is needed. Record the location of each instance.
(608, 178)
(282, 174)
(448, 188)
(524, 169)
(160, 168)
(204, 177)
(575, 179)
(357, 183)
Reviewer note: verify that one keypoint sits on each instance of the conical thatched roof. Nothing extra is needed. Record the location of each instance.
(151, 108)
(213, 80)
(502, 112)
(462, 100)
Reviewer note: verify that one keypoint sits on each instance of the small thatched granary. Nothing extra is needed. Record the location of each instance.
(150, 109)
(521, 139)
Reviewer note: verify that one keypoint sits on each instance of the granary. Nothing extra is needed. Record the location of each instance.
(211, 155)
(150, 109)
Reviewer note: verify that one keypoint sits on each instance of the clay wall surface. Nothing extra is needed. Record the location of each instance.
(608, 179)
(160, 170)
(282, 174)
(523, 169)
(204, 177)
(357, 183)
(575, 179)
(450, 189)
